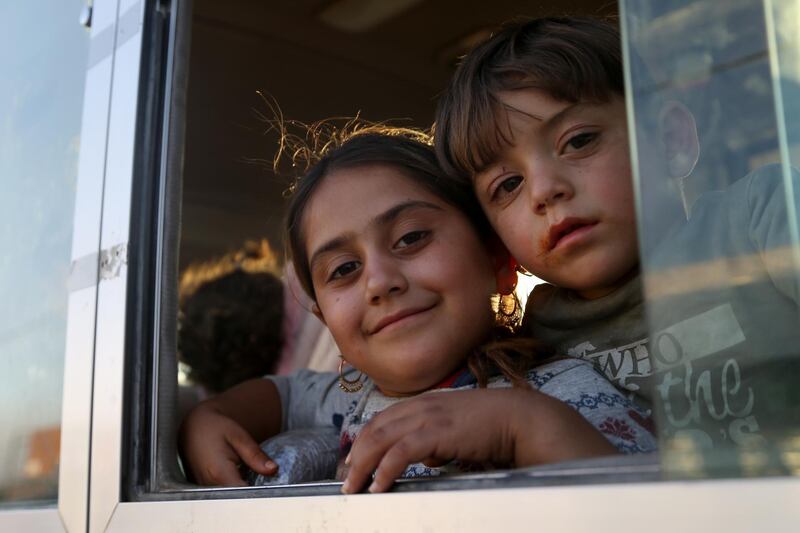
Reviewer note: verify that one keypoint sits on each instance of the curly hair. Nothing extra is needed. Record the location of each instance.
(231, 314)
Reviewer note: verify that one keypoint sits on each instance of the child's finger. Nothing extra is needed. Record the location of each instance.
(435, 462)
(412, 448)
(380, 435)
(225, 474)
(366, 453)
(251, 453)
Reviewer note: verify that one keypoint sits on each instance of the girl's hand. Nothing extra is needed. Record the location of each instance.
(504, 426)
(214, 445)
(222, 433)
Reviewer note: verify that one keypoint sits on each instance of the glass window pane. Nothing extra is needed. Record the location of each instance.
(43, 54)
(715, 100)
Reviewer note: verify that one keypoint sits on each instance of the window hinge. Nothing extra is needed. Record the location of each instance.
(85, 18)
(112, 259)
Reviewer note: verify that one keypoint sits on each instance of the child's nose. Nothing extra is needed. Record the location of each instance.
(547, 188)
(384, 278)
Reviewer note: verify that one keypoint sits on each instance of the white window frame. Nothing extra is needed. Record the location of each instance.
(89, 495)
(70, 513)
(107, 409)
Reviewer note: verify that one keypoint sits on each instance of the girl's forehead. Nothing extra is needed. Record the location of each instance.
(533, 111)
(351, 201)
(492, 128)
(369, 186)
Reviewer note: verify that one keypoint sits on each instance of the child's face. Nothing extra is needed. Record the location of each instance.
(401, 278)
(561, 196)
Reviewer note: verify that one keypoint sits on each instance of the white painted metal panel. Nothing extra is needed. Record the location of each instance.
(111, 301)
(71, 512)
(77, 402)
(669, 507)
(38, 520)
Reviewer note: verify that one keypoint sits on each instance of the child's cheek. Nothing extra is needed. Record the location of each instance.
(544, 242)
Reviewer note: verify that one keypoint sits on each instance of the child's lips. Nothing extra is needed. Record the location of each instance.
(399, 316)
(566, 231)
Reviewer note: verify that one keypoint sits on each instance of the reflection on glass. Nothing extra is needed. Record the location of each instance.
(718, 200)
(43, 57)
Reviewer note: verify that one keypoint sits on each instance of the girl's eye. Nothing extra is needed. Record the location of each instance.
(507, 186)
(343, 270)
(579, 141)
(411, 238)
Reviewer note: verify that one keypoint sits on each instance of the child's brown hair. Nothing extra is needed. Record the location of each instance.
(569, 58)
(231, 315)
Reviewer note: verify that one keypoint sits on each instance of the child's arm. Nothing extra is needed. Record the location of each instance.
(522, 427)
(221, 433)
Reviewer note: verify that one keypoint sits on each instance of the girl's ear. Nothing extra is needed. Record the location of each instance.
(505, 268)
(318, 312)
(679, 139)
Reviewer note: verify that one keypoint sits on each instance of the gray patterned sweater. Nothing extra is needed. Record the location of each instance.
(317, 415)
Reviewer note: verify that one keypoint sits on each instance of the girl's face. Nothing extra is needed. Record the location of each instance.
(561, 195)
(401, 277)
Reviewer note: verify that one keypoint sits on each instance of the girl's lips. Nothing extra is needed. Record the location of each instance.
(395, 318)
(568, 231)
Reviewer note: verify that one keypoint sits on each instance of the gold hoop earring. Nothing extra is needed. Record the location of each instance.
(508, 313)
(349, 385)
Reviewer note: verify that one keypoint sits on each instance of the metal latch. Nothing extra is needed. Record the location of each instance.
(112, 259)
(85, 18)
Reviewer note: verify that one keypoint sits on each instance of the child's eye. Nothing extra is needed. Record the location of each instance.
(507, 186)
(580, 140)
(411, 238)
(343, 270)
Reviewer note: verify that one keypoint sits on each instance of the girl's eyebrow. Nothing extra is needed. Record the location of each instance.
(564, 114)
(393, 212)
(511, 108)
(553, 120)
(381, 219)
(549, 122)
(329, 246)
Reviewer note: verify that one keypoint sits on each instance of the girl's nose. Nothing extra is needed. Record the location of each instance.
(384, 278)
(548, 187)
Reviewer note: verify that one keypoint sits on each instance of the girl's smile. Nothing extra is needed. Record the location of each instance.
(401, 277)
(400, 319)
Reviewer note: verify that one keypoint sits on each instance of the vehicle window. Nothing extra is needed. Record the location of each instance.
(715, 96)
(312, 65)
(44, 66)
(711, 91)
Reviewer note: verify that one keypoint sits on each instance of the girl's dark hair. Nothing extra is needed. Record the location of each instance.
(570, 58)
(410, 152)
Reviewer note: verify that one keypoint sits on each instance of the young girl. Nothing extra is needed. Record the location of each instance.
(396, 258)
(534, 120)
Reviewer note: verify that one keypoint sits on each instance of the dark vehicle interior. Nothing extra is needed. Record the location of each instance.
(386, 59)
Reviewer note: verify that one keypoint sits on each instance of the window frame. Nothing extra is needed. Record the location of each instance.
(121, 171)
(70, 511)
(748, 504)
(128, 299)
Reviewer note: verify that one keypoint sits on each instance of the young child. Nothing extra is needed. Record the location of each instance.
(534, 119)
(396, 259)
(231, 315)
